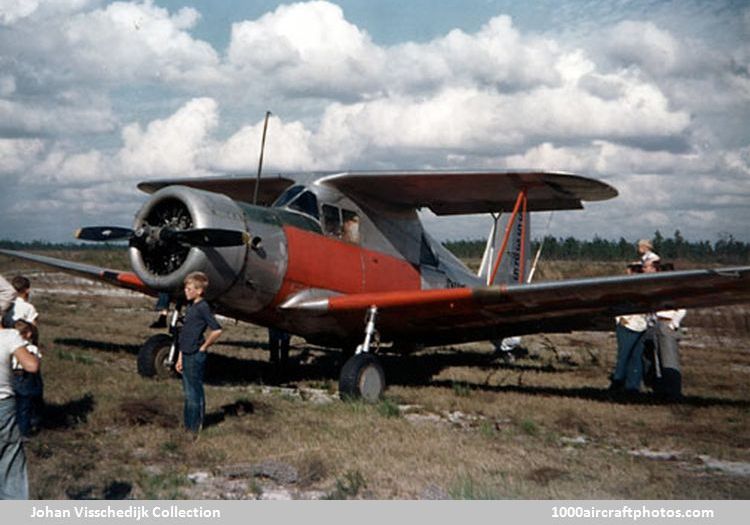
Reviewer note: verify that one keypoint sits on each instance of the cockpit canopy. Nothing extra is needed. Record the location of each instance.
(299, 199)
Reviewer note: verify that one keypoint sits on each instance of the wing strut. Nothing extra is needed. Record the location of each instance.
(522, 206)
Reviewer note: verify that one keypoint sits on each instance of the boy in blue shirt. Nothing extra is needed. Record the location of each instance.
(191, 362)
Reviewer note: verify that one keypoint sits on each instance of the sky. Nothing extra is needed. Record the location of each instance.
(653, 97)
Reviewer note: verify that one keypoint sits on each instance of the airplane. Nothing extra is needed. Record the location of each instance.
(343, 260)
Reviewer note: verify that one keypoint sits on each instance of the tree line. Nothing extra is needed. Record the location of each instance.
(726, 250)
(44, 245)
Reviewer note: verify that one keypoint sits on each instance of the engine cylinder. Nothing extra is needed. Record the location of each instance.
(164, 265)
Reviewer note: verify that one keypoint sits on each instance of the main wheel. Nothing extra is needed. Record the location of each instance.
(153, 357)
(362, 377)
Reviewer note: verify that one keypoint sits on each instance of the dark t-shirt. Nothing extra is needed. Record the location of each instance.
(198, 317)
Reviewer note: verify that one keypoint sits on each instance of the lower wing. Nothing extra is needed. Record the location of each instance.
(469, 314)
(117, 278)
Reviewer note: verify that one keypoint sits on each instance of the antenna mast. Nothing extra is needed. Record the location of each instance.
(260, 161)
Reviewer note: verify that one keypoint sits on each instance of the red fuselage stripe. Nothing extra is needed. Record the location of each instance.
(327, 263)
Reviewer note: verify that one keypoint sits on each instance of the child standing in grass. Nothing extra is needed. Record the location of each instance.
(193, 347)
(28, 386)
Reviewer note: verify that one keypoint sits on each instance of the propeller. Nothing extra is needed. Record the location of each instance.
(104, 233)
(214, 237)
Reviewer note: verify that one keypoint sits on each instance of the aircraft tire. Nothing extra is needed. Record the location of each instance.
(153, 355)
(362, 377)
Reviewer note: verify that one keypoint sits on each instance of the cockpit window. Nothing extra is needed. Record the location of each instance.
(331, 220)
(287, 196)
(306, 203)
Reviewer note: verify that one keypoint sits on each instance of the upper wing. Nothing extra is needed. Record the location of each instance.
(465, 192)
(466, 314)
(117, 278)
(238, 188)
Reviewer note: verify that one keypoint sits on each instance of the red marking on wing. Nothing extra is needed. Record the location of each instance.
(132, 280)
(452, 299)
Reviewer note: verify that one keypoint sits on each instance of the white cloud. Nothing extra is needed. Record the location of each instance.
(168, 147)
(287, 148)
(23, 119)
(13, 10)
(306, 48)
(644, 44)
(142, 41)
(18, 155)
(643, 106)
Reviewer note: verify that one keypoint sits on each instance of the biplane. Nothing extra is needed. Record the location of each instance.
(343, 260)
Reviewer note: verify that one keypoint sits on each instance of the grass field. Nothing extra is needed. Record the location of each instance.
(456, 422)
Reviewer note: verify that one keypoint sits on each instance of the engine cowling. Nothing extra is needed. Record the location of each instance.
(164, 265)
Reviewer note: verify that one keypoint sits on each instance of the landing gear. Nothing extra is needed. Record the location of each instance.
(154, 357)
(362, 375)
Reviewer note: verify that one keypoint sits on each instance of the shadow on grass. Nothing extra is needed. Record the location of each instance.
(68, 415)
(603, 395)
(236, 409)
(249, 343)
(319, 364)
(89, 344)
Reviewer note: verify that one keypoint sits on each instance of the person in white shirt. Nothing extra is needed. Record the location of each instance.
(666, 332)
(663, 336)
(22, 308)
(645, 250)
(630, 331)
(7, 295)
(13, 473)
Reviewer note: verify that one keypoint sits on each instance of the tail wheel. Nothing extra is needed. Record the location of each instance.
(362, 377)
(153, 357)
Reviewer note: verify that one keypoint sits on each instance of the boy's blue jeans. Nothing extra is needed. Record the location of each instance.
(29, 404)
(193, 367)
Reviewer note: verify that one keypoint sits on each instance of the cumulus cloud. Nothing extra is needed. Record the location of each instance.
(18, 155)
(306, 48)
(288, 147)
(95, 96)
(168, 147)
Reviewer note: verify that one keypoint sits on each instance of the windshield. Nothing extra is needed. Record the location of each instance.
(306, 203)
(287, 196)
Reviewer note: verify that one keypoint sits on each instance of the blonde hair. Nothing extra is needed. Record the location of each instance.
(646, 243)
(197, 279)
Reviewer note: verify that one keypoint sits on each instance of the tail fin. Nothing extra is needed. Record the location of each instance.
(515, 261)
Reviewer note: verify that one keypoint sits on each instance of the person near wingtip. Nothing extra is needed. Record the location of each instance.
(646, 251)
(630, 331)
(14, 482)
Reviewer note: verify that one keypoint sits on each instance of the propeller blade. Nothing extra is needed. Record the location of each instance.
(215, 237)
(103, 233)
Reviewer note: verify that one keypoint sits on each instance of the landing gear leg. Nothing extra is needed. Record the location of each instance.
(158, 355)
(362, 375)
